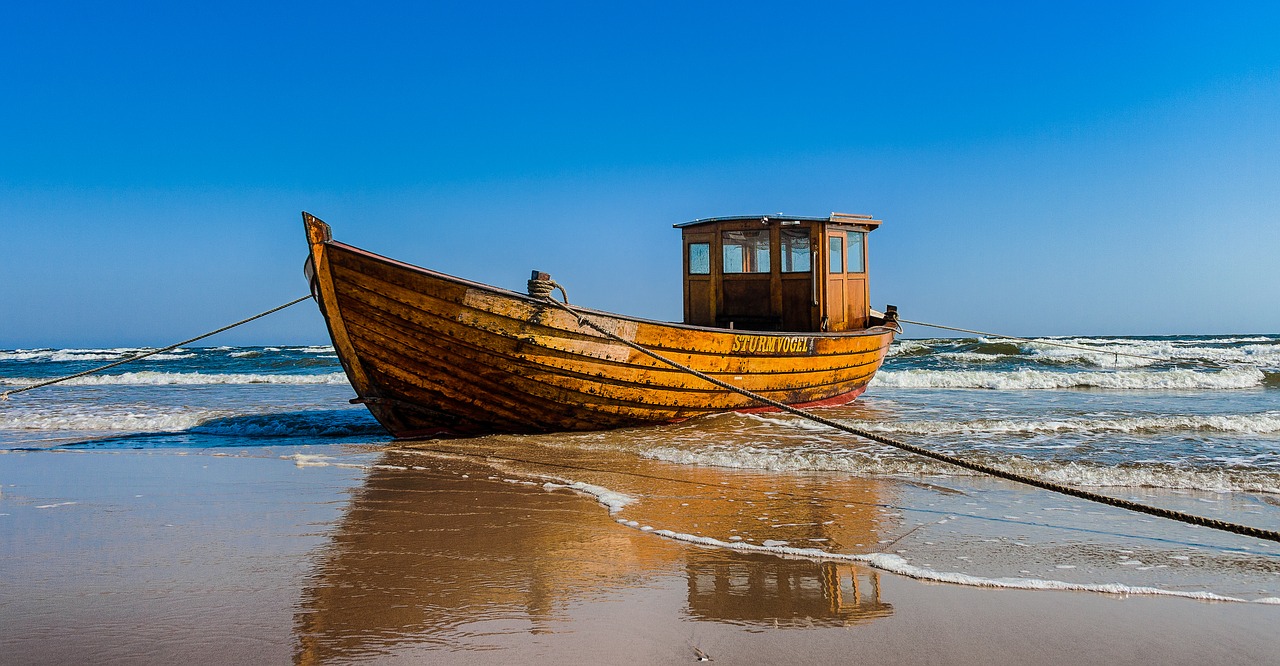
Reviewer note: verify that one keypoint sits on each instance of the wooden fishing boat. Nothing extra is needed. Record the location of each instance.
(765, 309)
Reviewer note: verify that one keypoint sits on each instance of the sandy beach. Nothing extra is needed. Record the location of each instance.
(342, 553)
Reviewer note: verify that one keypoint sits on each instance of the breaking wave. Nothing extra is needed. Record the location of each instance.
(1176, 379)
(141, 420)
(188, 378)
(881, 463)
(1253, 424)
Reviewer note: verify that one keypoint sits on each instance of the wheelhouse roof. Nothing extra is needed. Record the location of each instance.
(838, 218)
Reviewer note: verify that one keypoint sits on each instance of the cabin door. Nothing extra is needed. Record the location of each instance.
(834, 307)
(800, 288)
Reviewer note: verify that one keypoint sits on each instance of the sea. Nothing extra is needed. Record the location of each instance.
(1190, 423)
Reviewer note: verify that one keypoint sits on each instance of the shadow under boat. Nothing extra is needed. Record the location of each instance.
(438, 553)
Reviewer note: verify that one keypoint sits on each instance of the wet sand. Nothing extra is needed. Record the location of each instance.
(336, 554)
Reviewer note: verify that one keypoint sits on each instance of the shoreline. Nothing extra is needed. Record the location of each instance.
(209, 556)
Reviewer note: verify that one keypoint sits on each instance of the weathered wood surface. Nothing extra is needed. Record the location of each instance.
(431, 353)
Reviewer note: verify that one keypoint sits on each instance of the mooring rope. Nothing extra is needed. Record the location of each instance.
(1131, 505)
(5, 396)
(1037, 342)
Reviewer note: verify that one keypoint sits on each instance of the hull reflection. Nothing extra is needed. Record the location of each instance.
(448, 555)
(778, 592)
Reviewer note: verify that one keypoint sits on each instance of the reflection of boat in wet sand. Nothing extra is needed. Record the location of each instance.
(423, 558)
(775, 305)
(764, 589)
(428, 559)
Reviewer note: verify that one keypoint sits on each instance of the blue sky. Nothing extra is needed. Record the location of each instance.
(1067, 168)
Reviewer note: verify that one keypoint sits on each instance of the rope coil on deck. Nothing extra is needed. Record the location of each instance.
(541, 285)
(1269, 535)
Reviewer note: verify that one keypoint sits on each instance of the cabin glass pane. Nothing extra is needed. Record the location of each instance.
(699, 258)
(856, 242)
(746, 251)
(795, 250)
(837, 254)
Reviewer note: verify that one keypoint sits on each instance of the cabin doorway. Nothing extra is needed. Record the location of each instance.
(834, 310)
(798, 299)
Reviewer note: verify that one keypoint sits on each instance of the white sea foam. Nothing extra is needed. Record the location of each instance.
(899, 565)
(614, 501)
(55, 505)
(1177, 379)
(875, 462)
(1262, 355)
(1166, 476)
(128, 419)
(149, 418)
(1264, 423)
(1258, 351)
(71, 354)
(192, 378)
(60, 355)
(313, 460)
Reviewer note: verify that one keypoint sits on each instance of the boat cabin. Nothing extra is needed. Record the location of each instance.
(778, 272)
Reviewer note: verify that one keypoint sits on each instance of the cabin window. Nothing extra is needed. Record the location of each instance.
(837, 254)
(746, 251)
(856, 243)
(699, 258)
(795, 250)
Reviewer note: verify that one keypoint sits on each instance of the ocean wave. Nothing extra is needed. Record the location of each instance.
(326, 423)
(1112, 355)
(1147, 475)
(996, 348)
(880, 463)
(907, 348)
(1253, 424)
(56, 356)
(1258, 351)
(142, 419)
(187, 378)
(1176, 379)
(138, 419)
(73, 354)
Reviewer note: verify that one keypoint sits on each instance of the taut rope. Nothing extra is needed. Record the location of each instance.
(5, 396)
(1192, 519)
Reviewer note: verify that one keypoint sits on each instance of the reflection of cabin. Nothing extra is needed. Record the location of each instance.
(777, 273)
(784, 592)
